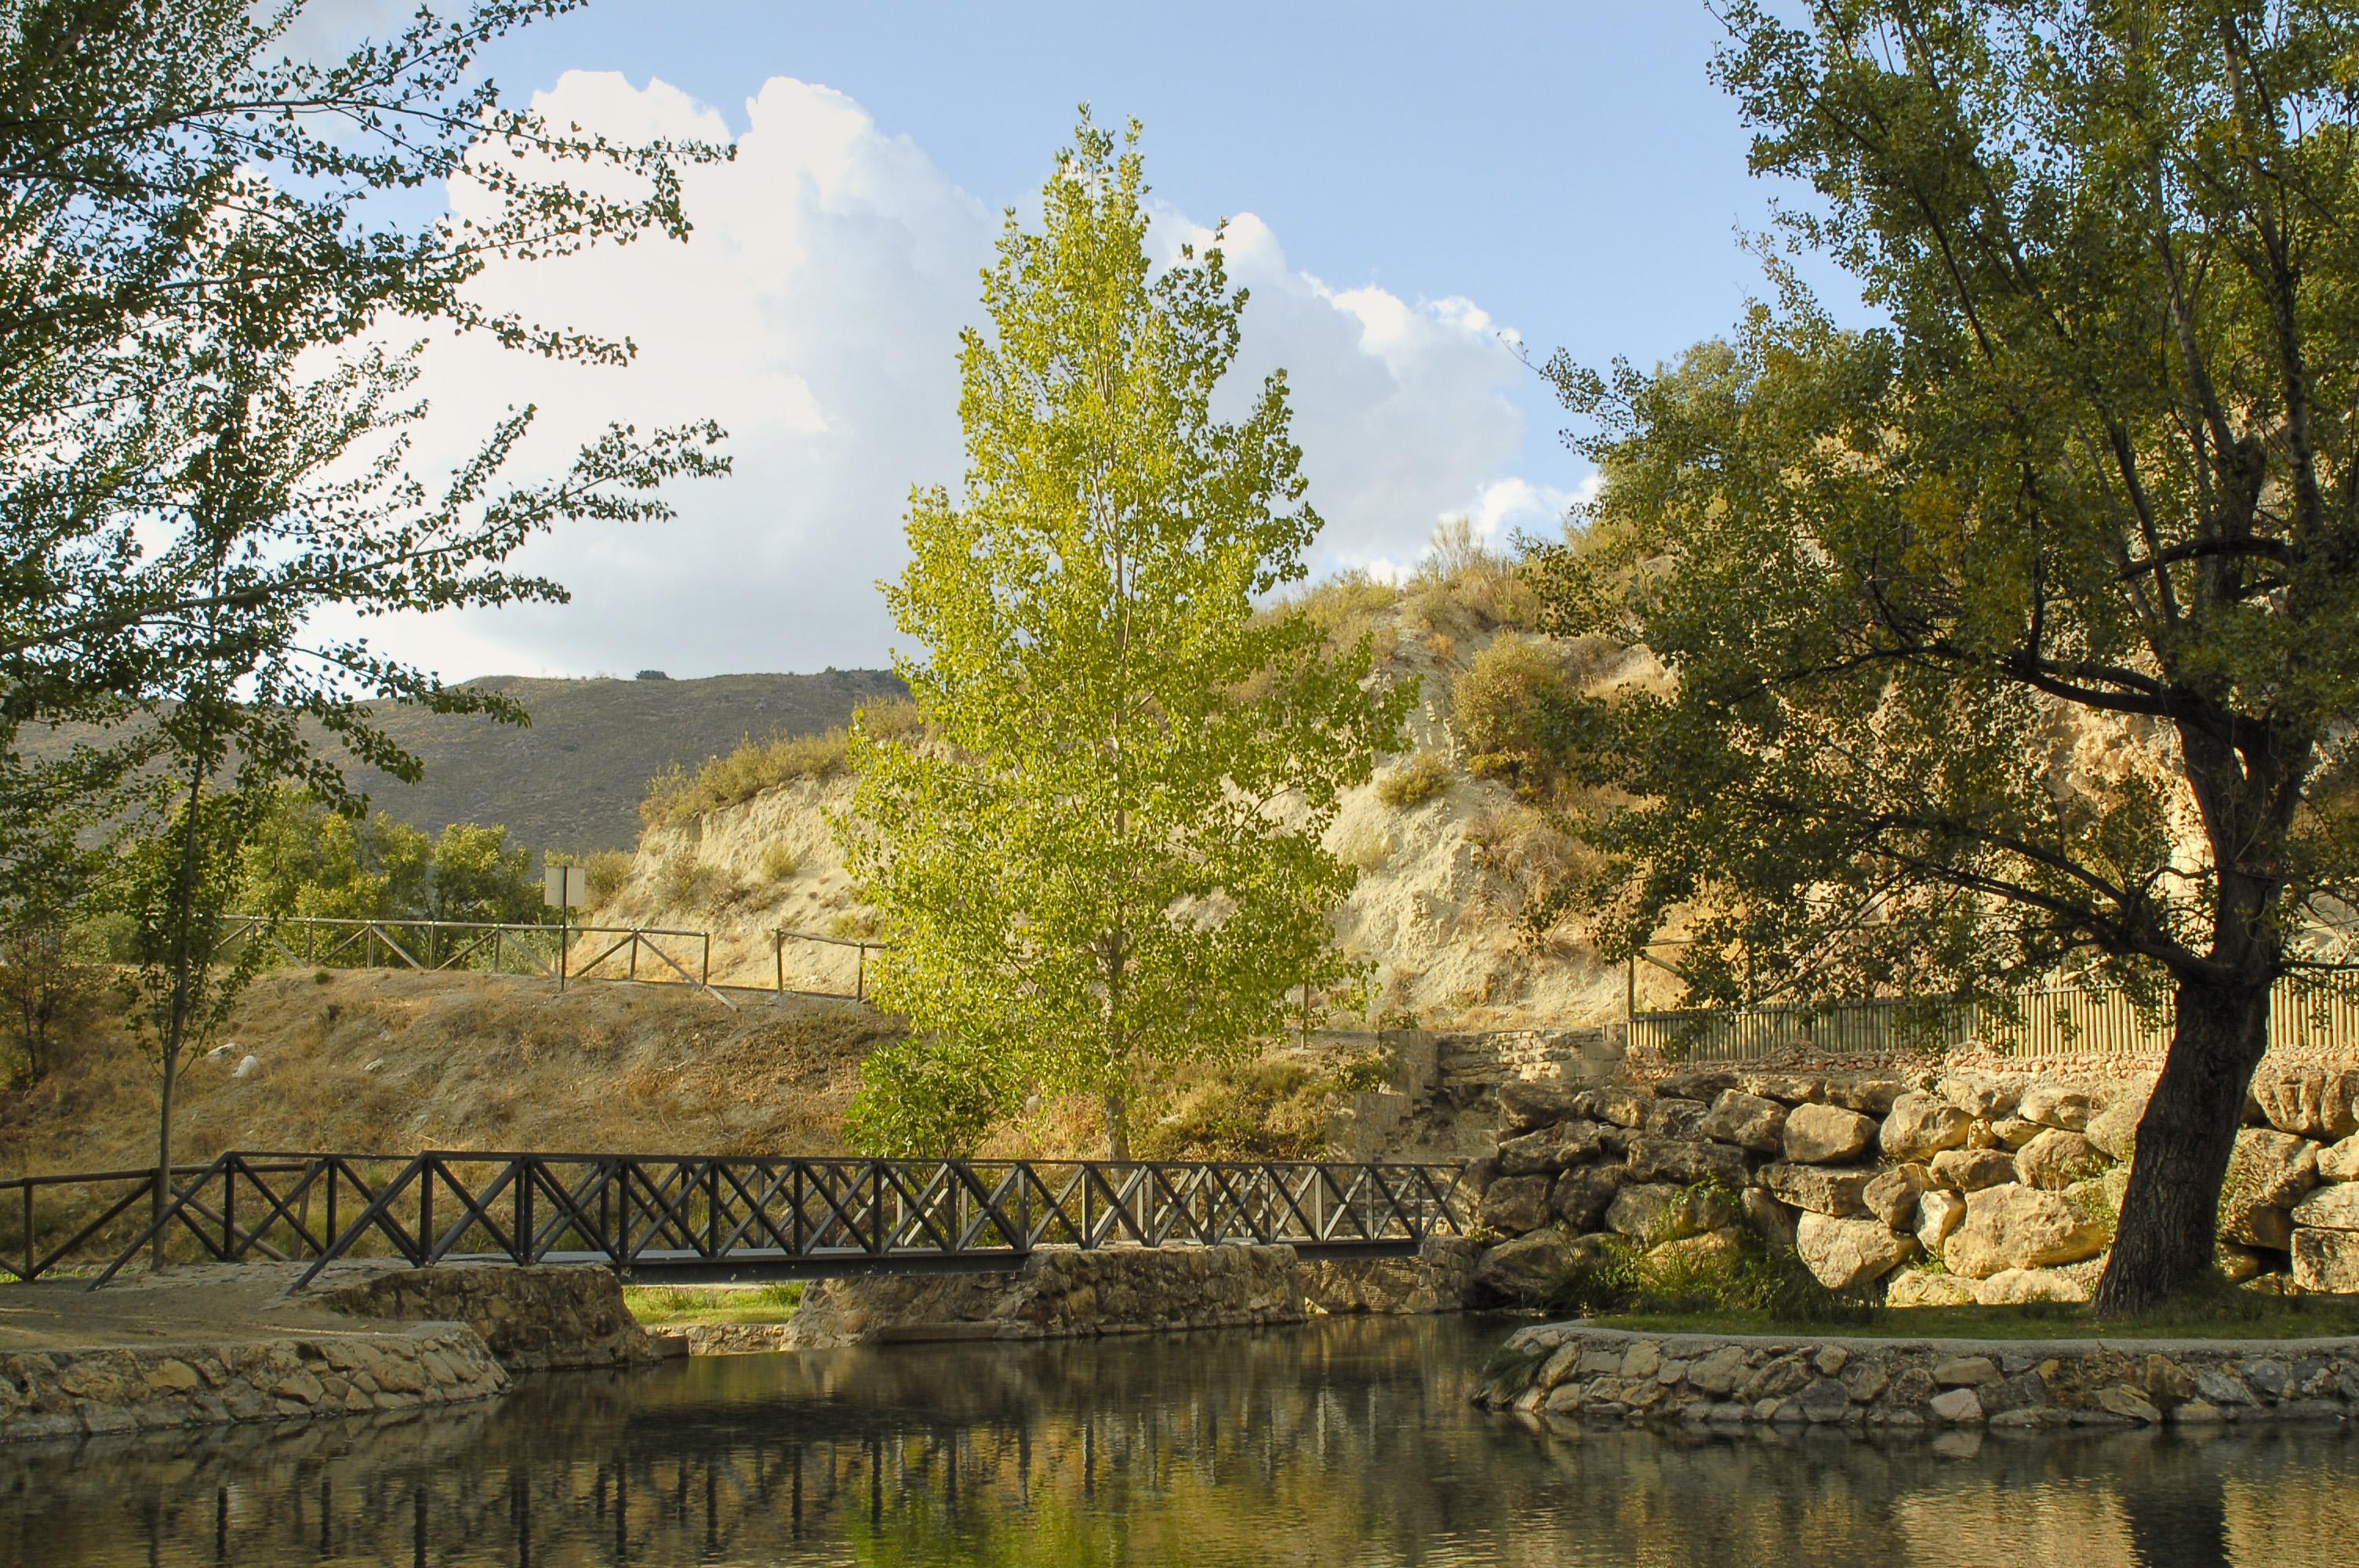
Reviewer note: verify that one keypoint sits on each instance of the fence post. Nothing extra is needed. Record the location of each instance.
(778, 953)
(29, 1258)
(860, 975)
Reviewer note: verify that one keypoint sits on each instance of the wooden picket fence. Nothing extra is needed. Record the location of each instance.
(2054, 1021)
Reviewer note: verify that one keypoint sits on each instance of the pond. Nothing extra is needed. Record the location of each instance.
(1343, 1442)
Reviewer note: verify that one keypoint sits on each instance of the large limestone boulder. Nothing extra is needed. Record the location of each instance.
(1970, 1170)
(1657, 1212)
(1749, 1122)
(2115, 1129)
(2057, 1159)
(1624, 1105)
(2053, 1105)
(1685, 1160)
(2016, 1227)
(1693, 1255)
(1983, 1096)
(1834, 1190)
(2339, 1163)
(1871, 1093)
(1669, 1117)
(1845, 1254)
(2327, 1260)
(1794, 1088)
(1533, 1270)
(1929, 1288)
(2267, 1174)
(1893, 1195)
(1514, 1204)
(1527, 1104)
(1550, 1149)
(2017, 1287)
(2310, 1100)
(1581, 1193)
(1827, 1135)
(1768, 1217)
(2335, 1207)
(1938, 1214)
(1920, 1126)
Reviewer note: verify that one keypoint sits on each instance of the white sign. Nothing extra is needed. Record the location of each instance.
(564, 887)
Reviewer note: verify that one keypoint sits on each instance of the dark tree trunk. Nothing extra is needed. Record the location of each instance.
(2170, 1225)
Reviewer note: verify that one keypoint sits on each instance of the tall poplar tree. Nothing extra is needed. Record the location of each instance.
(1104, 859)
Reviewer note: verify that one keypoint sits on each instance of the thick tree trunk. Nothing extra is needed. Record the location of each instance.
(2170, 1225)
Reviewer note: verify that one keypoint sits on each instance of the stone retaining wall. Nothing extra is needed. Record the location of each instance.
(72, 1394)
(1570, 1371)
(1065, 1293)
(538, 1319)
(1965, 1188)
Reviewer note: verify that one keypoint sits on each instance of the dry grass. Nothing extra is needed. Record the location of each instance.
(394, 1062)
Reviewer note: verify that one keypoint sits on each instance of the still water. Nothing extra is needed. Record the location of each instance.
(1346, 1442)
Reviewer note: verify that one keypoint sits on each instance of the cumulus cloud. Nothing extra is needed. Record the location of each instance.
(815, 314)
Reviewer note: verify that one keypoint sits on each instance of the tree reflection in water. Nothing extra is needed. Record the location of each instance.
(1347, 1441)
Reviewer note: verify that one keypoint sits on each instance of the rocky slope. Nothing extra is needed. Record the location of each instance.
(1443, 882)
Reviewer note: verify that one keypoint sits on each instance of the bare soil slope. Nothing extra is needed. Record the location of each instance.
(374, 1061)
(1438, 909)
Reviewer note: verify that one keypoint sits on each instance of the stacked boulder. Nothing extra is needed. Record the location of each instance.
(2006, 1182)
(2289, 1210)
(1998, 1188)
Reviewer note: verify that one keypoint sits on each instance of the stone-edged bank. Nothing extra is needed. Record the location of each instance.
(1580, 1372)
(83, 1392)
(223, 1344)
(1064, 1293)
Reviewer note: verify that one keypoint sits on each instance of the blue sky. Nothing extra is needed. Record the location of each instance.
(1420, 181)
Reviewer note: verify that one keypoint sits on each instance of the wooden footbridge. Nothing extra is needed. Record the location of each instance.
(704, 1218)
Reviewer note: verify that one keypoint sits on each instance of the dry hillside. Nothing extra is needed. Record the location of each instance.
(572, 778)
(1444, 879)
(376, 1061)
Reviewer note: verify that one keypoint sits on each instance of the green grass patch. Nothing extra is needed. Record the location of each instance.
(671, 1306)
(2207, 1317)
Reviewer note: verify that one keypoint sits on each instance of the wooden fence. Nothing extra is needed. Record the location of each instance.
(2054, 1021)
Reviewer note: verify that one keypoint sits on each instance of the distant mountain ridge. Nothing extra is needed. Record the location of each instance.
(573, 778)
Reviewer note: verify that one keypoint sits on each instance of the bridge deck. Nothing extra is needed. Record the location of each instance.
(690, 1217)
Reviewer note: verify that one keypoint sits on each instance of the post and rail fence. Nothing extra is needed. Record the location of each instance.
(637, 954)
(689, 1217)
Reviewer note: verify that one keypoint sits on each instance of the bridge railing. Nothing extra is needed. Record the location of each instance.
(724, 1217)
(250, 1204)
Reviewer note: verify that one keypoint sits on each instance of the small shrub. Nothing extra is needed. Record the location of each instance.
(1413, 783)
(781, 861)
(676, 795)
(608, 870)
(686, 883)
(1506, 711)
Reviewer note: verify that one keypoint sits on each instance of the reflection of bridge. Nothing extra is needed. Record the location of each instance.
(742, 1216)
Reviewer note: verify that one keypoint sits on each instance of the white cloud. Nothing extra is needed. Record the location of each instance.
(815, 314)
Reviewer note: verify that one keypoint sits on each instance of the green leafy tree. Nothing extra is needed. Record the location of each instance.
(2022, 631)
(187, 212)
(1105, 859)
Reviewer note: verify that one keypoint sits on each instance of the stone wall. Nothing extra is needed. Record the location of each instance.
(1962, 1187)
(1065, 1293)
(533, 1320)
(77, 1392)
(1471, 1065)
(1570, 1371)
